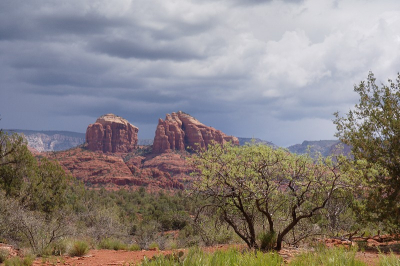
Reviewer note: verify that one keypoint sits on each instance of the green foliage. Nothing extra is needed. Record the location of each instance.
(154, 245)
(389, 260)
(267, 240)
(328, 257)
(3, 255)
(111, 243)
(79, 248)
(47, 187)
(232, 257)
(17, 261)
(15, 163)
(372, 130)
(256, 185)
(134, 247)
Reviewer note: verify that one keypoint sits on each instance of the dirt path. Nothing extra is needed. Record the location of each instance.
(102, 257)
(121, 257)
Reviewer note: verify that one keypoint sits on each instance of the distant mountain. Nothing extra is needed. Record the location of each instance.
(243, 141)
(324, 147)
(50, 140)
(145, 142)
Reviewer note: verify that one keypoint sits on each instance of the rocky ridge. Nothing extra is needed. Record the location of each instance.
(111, 133)
(125, 170)
(43, 141)
(180, 131)
(323, 147)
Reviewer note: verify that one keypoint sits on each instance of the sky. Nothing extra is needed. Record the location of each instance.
(275, 70)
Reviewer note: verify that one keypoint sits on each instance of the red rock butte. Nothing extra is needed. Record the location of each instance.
(111, 133)
(180, 130)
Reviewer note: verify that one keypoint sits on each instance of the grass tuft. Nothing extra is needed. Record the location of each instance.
(3, 255)
(109, 243)
(388, 260)
(328, 257)
(79, 249)
(17, 261)
(197, 257)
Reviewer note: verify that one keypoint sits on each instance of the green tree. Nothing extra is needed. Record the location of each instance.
(259, 190)
(372, 129)
(46, 188)
(15, 162)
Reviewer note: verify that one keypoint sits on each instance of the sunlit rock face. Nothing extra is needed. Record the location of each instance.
(111, 133)
(180, 131)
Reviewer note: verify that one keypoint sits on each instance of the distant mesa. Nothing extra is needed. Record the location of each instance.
(111, 133)
(180, 130)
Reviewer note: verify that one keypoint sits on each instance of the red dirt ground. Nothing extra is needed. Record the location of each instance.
(112, 257)
(102, 257)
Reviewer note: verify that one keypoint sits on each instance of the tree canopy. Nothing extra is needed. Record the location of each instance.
(260, 190)
(372, 129)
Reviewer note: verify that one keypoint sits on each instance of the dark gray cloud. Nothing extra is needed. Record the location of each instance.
(150, 50)
(276, 70)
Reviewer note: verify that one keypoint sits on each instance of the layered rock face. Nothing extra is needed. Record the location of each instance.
(111, 133)
(179, 131)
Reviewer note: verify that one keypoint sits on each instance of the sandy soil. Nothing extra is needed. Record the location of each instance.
(112, 257)
(102, 257)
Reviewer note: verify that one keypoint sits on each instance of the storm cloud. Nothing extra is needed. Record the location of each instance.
(275, 70)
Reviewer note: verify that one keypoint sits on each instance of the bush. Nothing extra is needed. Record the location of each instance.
(17, 261)
(3, 255)
(154, 245)
(79, 248)
(134, 247)
(267, 240)
(109, 243)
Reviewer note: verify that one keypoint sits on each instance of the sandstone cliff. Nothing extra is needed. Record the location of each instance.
(125, 170)
(111, 133)
(179, 131)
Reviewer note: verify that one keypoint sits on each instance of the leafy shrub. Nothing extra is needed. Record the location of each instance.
(109, 243)
(134, 247)
(17, 261)
(154, 245)
(3, 255)
(78, 249)
(267, 240)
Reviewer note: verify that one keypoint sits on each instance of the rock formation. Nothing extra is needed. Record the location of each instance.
(111, 133)
(179, 131)
(43, 141)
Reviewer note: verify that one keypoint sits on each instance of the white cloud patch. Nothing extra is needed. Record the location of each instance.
(270, 69)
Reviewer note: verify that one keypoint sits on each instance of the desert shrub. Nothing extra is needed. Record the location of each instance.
(134, 247)
(189, 237)
(17, 261)
(3, 255)
(32, 228)
(147, 233)
(267, 240)
(327, 257)
(110, 243)
(79, 248)
(154, 245)
(171, 244)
